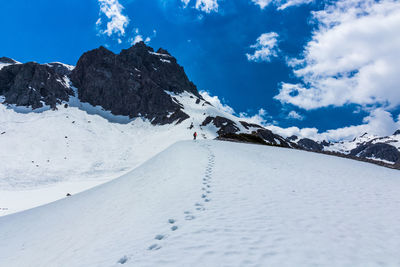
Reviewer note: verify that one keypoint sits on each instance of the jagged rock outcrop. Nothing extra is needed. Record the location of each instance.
(225, 125)
(377, 151)
(248, 126)
(308, 144)
(397, 132)
(7, 60)
(61, 69)
(33, 84)
(273, 139)
(136, 82)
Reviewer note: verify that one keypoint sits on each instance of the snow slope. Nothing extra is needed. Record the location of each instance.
(46, 154)
(213, 203)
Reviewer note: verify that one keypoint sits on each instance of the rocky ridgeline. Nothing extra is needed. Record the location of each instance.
(139, 82)
(33, 84)
(136, 82)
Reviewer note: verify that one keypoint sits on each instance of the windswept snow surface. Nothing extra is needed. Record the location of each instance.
(46, 154)
(212, 203)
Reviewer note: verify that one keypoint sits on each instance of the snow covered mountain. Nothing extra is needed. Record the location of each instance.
(64, 129)
(212, 203)
(369, 147)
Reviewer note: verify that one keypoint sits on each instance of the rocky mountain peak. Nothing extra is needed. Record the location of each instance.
(136, 82)
(7, 60)
(32, 84)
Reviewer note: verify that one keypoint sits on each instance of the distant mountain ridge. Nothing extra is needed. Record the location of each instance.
(139, 82)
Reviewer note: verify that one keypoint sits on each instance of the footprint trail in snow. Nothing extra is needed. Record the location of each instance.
(188, 215)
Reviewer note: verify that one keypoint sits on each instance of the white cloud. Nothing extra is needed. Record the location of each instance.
(353, 57)
(294, 115)
(266, 47)
(259, 118)
(139, 38)
(216, 102)
(262, 3)
(280, 4)
(207, 6)
(117, 23)
(379, 122)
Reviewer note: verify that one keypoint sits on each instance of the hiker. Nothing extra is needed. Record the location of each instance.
(194, 136)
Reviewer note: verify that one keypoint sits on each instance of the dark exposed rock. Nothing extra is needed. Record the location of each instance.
(7, 60)
(31, 84)
(133, 83)
(225, 125)
(292, 138)
(378, 150)
(207, 121)
(325, 143)
(308, 144)
(60, 69)
(250, 125)
(272, 138)
(397, 132)
(242, 137)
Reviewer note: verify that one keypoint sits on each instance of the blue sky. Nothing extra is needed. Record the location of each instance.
(318, 66)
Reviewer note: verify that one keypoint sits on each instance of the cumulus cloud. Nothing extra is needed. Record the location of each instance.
(117, 22)
(280, 4)
(259, 118)
(216, 102)
(294, 115)
(207, 6)
(379, 122)
(139, 38)
(353, 57)
(266, 47)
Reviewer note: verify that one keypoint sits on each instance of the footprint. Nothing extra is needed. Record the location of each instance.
(200, 208)
(154, 247)
(171, 221)
(208, 192)
(198, 205)
(206, 200)
(159, 237)
(203, 196)
(189, 217)
(208, 186)
(187, 212)
(123, 260)
(173, 228)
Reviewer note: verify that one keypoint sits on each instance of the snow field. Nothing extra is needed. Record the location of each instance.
(210, 203)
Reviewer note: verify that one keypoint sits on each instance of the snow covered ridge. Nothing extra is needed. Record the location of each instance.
(119, 83)
(382, 150)
(209, 203)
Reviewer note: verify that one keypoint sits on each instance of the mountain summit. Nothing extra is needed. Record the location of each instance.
(141, 83)
(136, 82)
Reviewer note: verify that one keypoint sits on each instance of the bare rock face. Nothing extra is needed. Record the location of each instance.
(274, 139)
(7, 60)
(309, 144)
(33, 84)
(378, 151)
(137, 82)
(226, 126)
